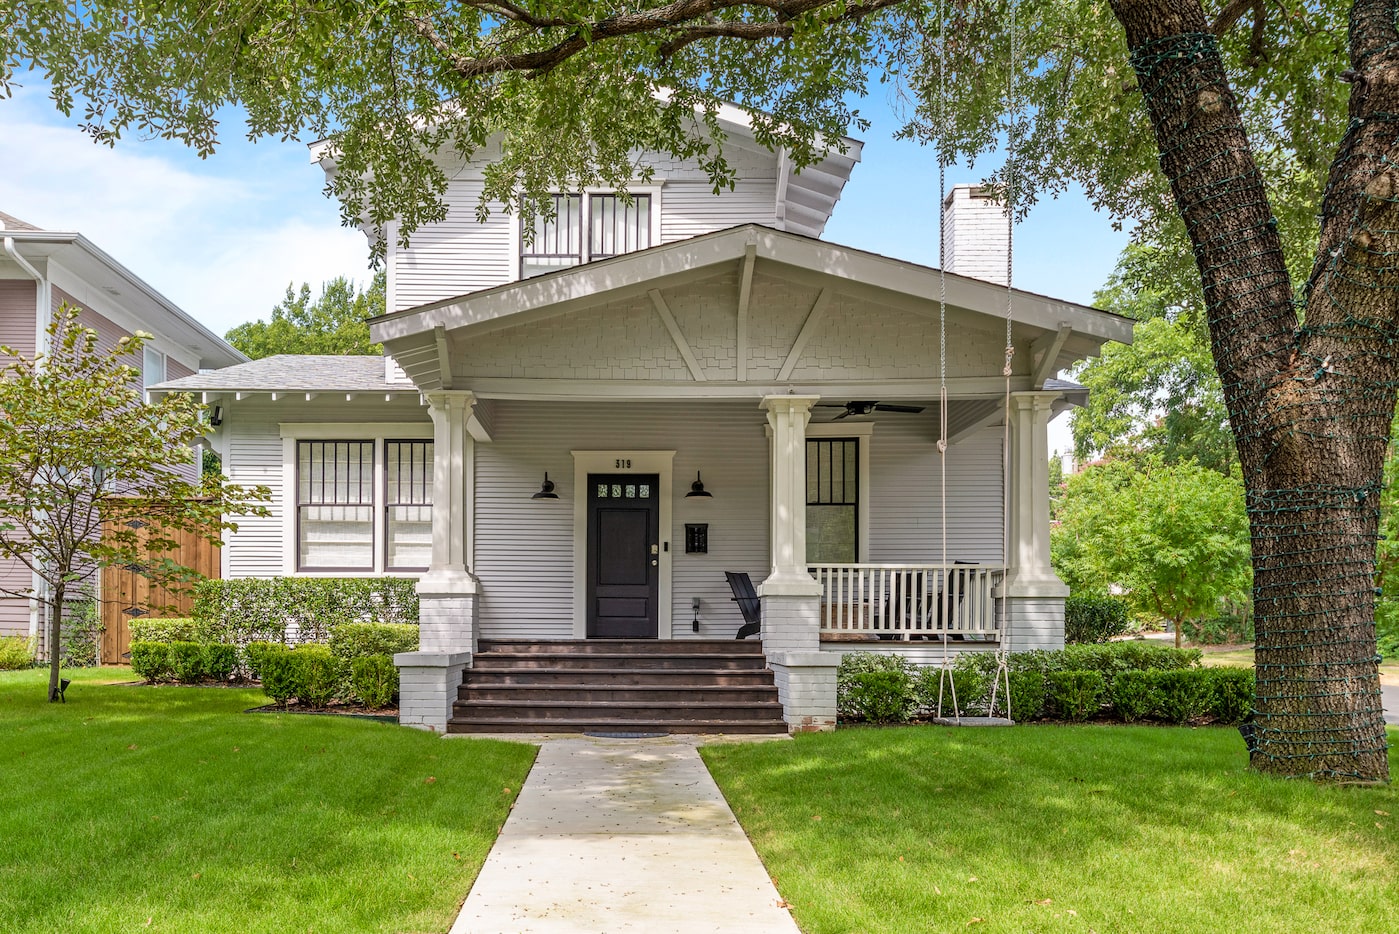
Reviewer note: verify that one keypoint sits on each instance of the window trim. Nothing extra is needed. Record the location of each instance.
(653, 191)
(375, 469)
(862, 432)
(286, 499)
(384, 505)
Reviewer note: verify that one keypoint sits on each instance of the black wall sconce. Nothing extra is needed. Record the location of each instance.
(697, 488)
(695, 605)
(215, 416)
(546, 489)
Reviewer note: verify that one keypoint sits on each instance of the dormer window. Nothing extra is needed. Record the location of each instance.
(585, 227)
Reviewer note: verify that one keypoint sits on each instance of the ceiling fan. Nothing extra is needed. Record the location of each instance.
(865, 408)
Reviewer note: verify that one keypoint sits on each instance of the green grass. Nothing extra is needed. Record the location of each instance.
(1047, 828)
(1241, 656)
(168, 809)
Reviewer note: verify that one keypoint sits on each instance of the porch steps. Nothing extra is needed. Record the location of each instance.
(670, 686)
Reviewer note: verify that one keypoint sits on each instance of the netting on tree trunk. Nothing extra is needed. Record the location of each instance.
(1292, 386)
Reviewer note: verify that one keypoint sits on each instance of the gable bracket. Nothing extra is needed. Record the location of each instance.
(818, 310)
(1044, 353)
(681, 344)
(444, 359)
(745, 295)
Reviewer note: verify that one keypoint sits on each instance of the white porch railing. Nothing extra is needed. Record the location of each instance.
(909, 601)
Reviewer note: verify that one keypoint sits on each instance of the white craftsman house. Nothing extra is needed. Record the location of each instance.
(577, 434)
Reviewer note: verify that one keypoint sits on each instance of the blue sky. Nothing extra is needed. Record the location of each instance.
(223, 237)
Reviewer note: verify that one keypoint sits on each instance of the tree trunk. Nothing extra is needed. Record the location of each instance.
(1309, 405)
(55, 635)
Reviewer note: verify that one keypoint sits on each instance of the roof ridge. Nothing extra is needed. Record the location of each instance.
(11, 222)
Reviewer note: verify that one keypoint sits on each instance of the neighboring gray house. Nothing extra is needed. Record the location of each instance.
(627, 356)
(42, 270)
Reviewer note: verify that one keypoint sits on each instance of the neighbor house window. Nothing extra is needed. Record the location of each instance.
(584, 228)
(335, 505)
(832, 500)
(152, 367)
(407, 505)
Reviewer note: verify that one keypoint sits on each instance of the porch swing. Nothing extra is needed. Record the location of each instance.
(1001, 678)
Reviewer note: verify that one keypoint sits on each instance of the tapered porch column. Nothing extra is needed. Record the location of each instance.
(429, 677)
(1034, 594)
(791, 597)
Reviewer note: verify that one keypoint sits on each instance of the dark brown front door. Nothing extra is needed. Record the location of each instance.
(623, 555)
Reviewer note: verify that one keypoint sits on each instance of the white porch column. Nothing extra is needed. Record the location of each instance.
(428, 678)
(791, 597)
(1034, 594)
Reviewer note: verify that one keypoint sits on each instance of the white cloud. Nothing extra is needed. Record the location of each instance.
(221, 237)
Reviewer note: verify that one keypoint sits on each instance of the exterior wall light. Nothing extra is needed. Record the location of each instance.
(697, 488)
(546, 489)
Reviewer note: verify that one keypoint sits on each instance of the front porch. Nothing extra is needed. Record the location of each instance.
(509, 565)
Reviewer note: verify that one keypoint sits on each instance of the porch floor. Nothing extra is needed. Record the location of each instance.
(617, 686)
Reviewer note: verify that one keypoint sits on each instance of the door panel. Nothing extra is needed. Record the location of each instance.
(623, 556)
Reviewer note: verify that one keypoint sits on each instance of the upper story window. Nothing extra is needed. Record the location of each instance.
(585, 227)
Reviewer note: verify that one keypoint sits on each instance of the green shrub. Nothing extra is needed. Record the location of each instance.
(1183, 695)
(253, 654)
(1134, 695)
(1027, 695)
(883, 696)
(1231, 698)
(164, 629)
(970, 687)
(1108, 660)
(243, 610)
(320, 677)
(151, 660)
(280, 669)
(220, 661)
(856, 663)
(349, 641)
(1234, 629)
(1076, 695)
(16, 652)
(374, 680)
(1093, 620)
(186, 661)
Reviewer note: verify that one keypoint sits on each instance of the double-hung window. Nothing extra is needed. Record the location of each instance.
(346, 518)
(584, 227)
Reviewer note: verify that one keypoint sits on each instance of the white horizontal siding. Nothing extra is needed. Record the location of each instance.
(524, 547)
(905, 498)
(456, 255)
(691, 208)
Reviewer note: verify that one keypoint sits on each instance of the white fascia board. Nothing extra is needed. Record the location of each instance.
(219, 352)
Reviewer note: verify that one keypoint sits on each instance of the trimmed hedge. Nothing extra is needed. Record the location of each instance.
(1233, 694)
(1183, 696)
(281, 673)
(299, 609)
(220, 661)
(882, 696)
(320, 675)
(374, 680)
(165, 629)
(1134, 695)
(186, 660)
(350, 641)
(1094, 620)
(151, 660)
(1076, 695)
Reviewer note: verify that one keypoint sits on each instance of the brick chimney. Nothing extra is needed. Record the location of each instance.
(975, 240)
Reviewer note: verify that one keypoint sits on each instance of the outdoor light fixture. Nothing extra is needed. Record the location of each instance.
(62, 687)
(546, 489)
(697, 488)
(695, 605)
(215, 415)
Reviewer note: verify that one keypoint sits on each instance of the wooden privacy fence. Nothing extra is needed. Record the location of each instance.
(127, 594)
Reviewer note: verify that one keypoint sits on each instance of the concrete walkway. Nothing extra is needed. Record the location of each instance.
(622, 835)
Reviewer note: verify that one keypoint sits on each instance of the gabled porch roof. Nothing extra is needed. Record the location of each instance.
(1062, 332)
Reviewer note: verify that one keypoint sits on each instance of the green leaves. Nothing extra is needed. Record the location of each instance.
(334, 323)
(1174, 539)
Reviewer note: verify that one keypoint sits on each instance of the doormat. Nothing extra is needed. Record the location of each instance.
(602, 735)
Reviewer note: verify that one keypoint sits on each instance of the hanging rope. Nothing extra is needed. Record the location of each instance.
(945, 678)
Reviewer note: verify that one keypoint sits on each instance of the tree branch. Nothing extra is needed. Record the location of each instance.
(688, 20)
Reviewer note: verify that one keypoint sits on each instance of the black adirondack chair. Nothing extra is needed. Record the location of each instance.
(747, 599)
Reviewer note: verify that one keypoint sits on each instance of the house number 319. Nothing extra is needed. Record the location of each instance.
(623, 463)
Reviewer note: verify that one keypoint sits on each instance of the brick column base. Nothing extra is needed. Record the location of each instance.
(1032, 622)
(446, 622)
(427, 686)
(806, 686)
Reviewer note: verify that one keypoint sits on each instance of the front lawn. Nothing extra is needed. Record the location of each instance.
(168, 809)
(1046, 828)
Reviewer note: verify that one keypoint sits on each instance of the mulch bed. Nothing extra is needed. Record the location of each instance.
(384, 715)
